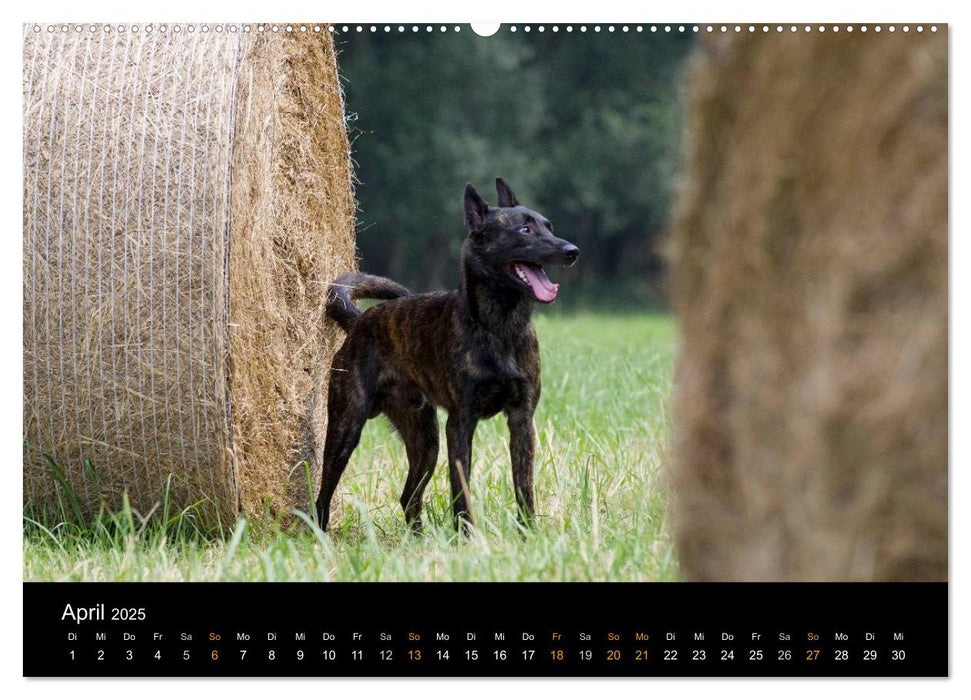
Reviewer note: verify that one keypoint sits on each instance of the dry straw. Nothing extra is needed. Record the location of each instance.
(811, 283)
(186, 199)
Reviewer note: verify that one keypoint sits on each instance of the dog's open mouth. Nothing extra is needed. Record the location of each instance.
(535, 278)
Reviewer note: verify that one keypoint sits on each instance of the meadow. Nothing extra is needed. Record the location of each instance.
(603, 429)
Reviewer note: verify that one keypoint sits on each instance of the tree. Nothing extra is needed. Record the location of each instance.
(585, 126)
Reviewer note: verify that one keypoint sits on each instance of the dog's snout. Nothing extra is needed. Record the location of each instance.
(571, 252)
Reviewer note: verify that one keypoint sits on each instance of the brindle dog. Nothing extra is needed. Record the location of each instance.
(472, 351)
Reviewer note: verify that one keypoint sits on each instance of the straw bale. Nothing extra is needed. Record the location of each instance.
(810, 264)
(187, 197)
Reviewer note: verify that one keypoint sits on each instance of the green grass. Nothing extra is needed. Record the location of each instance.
(603, 425)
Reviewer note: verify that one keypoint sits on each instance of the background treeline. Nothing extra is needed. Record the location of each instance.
(586, 127)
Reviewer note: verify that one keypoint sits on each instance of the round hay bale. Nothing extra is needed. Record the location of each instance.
(187, 198)
(810, 272)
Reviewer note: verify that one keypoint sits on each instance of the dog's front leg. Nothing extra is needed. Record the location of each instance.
(522, 449)
(459, 430)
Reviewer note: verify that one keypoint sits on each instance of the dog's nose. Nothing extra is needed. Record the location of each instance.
(571, 252)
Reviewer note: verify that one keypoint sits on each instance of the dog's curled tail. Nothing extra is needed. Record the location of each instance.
(358, 285)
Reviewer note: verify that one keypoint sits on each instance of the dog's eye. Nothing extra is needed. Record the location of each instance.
(524, 229)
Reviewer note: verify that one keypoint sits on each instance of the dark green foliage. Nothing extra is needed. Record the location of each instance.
(585, 126)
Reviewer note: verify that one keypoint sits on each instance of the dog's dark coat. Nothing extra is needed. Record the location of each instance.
(472, 351)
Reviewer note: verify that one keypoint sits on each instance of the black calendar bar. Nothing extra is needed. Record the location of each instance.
(473, 629)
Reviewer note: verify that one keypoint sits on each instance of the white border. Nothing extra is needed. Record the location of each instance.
(818, 11)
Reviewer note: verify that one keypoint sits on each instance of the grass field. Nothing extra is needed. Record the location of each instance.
(603, 425)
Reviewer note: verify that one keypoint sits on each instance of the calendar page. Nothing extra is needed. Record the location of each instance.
(541, 349)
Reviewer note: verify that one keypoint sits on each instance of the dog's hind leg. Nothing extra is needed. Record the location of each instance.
(458, 433)
(343, 434)
(419, 431)
(348, 404)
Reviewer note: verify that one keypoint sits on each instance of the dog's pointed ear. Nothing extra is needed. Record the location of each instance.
(506, 196)
(476, 208)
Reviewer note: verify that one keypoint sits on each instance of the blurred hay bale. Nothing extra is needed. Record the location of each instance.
(187, 198)
(810, 264)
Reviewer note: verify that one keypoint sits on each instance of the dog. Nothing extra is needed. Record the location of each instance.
(472, 351)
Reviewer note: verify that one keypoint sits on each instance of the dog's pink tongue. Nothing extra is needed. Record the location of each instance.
(543, 289)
